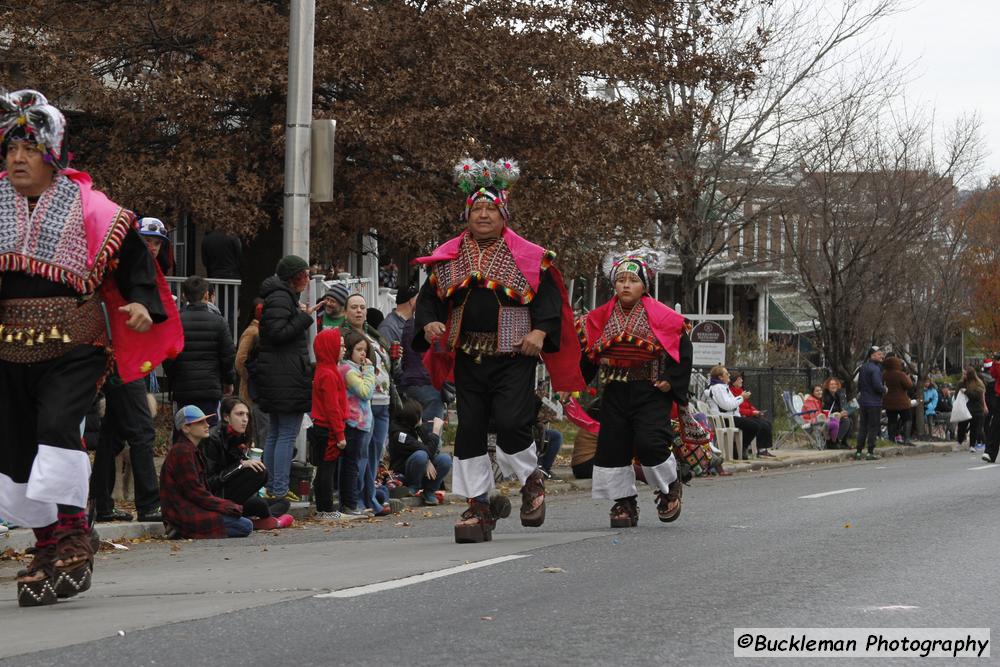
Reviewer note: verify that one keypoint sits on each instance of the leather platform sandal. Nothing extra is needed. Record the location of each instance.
(663, 501)
(42, 591)
(625, 513)
(533, 488)
(75, 549)
(477, 523)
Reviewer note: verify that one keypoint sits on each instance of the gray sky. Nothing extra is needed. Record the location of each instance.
(958, 62)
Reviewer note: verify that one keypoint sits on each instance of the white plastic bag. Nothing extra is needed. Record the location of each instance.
(960, 409)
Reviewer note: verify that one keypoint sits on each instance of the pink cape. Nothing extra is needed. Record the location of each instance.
(666, 323)
(136, 354)
(576, 414)
(563, 366)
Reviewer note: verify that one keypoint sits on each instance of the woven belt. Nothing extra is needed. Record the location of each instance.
(40, 329)
(648, 371)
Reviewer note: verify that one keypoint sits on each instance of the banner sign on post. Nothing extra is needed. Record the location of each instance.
(709, 342)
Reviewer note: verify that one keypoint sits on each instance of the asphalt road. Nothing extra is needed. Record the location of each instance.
(912, 546)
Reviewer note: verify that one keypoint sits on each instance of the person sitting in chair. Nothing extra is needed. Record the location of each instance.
(722, 401)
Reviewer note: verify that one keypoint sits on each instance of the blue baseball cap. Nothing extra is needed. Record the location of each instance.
(190, 414)
(153, 227)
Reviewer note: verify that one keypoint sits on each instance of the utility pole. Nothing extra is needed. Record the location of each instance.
(298, 121)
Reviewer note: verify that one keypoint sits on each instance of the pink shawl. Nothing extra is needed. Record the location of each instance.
(666, 323)
(564, 365)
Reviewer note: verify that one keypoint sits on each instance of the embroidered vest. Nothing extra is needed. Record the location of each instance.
(492, 266)
(51, 241)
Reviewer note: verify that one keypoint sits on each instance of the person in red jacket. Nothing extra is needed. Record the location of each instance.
(750, 413)
(189, 508)
(329, 409)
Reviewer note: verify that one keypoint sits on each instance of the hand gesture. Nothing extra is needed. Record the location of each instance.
(138, 317)
(531, 344)
(256, 466)
(431, 472)
(433, 331)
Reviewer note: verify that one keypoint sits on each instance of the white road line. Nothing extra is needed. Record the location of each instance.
(830, 493)
(415, 579)
(986, 467)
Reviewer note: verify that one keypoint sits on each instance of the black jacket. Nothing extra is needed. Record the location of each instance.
(284, 374)
(223, 453)
(221, 255)
(405, 441)
(206, 363)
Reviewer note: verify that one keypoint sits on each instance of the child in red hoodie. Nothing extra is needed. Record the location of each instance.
(329, 408)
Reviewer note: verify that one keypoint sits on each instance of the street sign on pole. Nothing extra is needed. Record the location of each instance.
(709, 342)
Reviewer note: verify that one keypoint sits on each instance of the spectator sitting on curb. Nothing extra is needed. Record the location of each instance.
(417, 454)
(232, 473)
(190, 510)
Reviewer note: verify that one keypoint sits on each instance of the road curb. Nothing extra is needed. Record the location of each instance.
(20, 539)
(839, 456)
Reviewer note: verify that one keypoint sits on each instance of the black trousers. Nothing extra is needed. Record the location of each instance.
(45, 403)
(497, 390)
(868, 427)
(993, 439)
(974, 428)
(242, 488)
(897, 420)
(754, 427)
(326, 471)
(126, 420)
(635, 421)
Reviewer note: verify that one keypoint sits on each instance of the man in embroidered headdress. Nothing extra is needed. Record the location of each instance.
(72, 266)
(493, 304)
(642, 356)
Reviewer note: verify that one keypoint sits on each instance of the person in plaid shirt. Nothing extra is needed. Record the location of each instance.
(189, 508)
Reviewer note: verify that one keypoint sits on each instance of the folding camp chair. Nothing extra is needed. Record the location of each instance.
(812, 430)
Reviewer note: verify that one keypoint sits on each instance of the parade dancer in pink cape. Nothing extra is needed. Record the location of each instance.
(75, 277)
(495, 303)
(641, 355)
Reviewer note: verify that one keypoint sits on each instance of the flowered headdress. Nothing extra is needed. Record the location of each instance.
(486, 180)
(27, 115)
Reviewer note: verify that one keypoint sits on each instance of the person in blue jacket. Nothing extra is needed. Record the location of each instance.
(871, 389)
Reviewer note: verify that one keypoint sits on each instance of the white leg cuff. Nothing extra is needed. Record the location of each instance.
(520, 465)
(472, 477)
(60, 476)
(660, 477)
(18, 509)
(613, 483)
